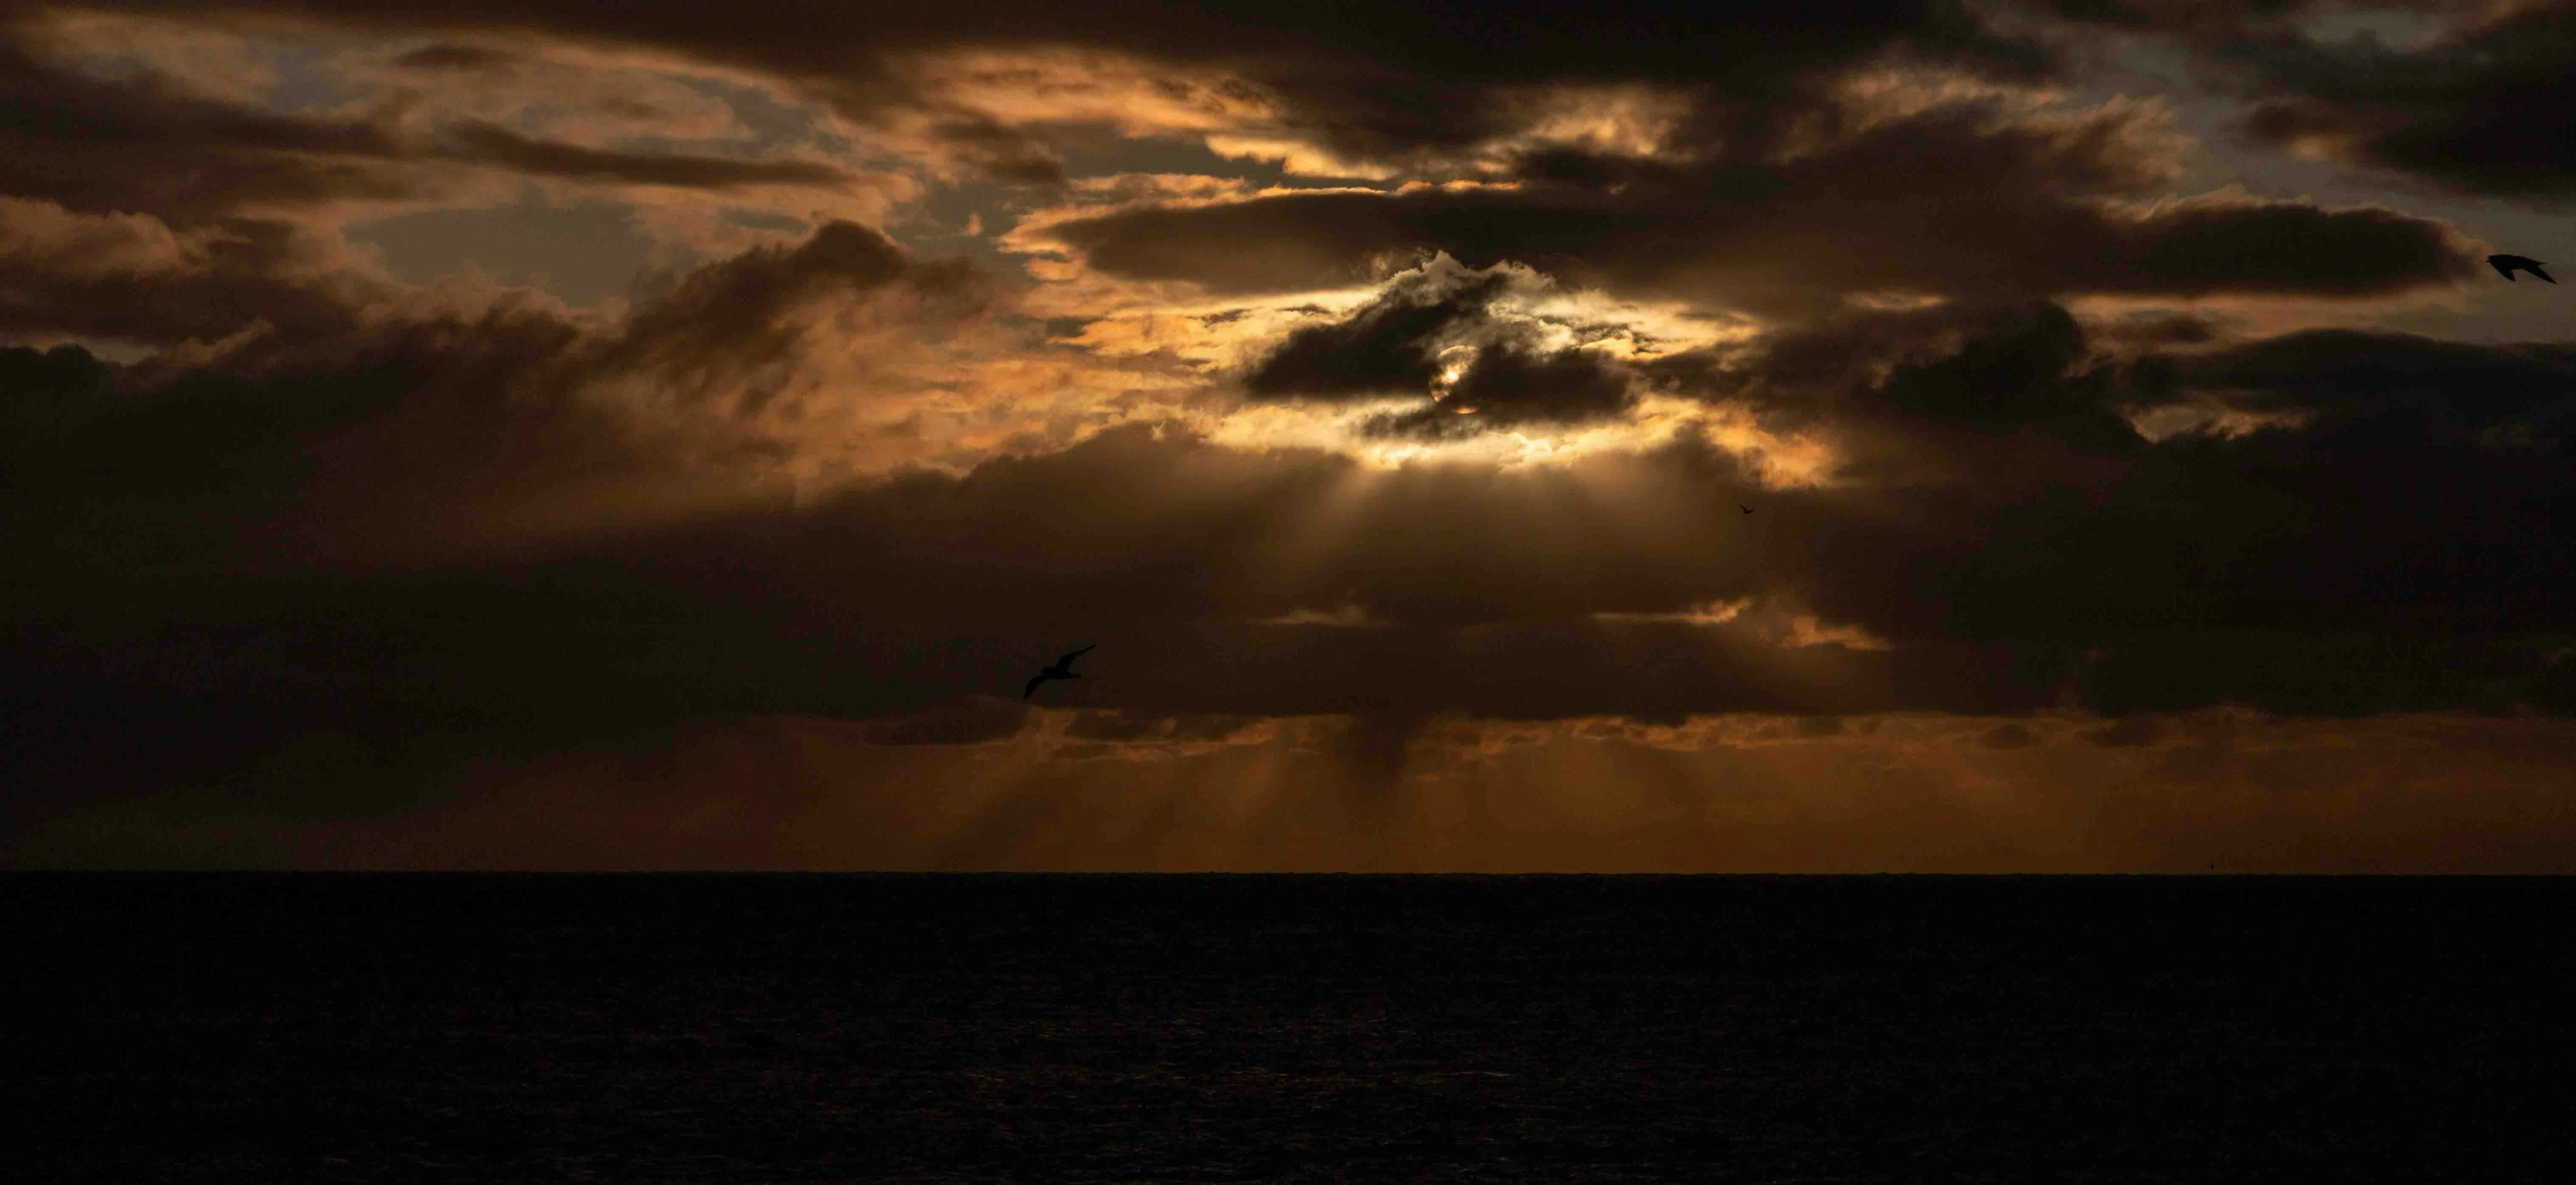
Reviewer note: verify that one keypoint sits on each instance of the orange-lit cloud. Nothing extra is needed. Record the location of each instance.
(1806, 436)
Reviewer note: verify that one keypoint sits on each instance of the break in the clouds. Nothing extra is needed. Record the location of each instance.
(1472, 437)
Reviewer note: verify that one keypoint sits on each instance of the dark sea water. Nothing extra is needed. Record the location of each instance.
(1010, 1028)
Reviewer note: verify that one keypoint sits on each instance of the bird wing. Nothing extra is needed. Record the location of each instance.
(1032, 688)
(1066, 662)
(2535, 270)
(2502, 268)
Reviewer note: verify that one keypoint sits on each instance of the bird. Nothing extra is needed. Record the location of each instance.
(2505, 265)
(1063, 669)
(1746, 509)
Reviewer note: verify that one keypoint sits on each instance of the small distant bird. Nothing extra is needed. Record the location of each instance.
(1063, 669)
(2506, 265)
(1746, 509)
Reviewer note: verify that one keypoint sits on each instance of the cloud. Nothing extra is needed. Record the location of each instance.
(2279, 569)
(2126, 733)
(1925, 379)
(1508, 384)
(2336, 371)
(2007, 736)
(1996, 207)
(450, 56)
(262, 189)
(2477, 101)
(2204, 566)
(1384, 90)
(1459, 501)
(1436, 334)
(1168, 550)
(38, 237)
(137, 278)
(473, 140)
(1389, 346)
(486, 414)
(1183, 729)
(723, 329)
(142, 144)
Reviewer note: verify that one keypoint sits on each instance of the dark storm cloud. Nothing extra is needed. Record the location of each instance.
(2390, 546)
(1475, 572)
(2020, 369)
(319, 567)
(998, 151)
(2332, 370)
(722, 334)
(1934, 381)
(134, 278)
(2158, 577)
(1508, 384)
(886, 602)
(1957, 200)
(485, 143)
(2418, 508)
(309, 442)
(453, 57)
(507, 364)
(1420, 77)
(2210, 570)
(2485, 105)
(140, 144)
(128, 219)
(1435, 318)
(286, 449)
(1391, 345)
(135, 210)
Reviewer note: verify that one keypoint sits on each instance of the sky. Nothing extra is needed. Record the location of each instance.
(1840, 436)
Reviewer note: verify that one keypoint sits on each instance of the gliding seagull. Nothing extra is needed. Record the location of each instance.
(2505, 265)
(1063, 669)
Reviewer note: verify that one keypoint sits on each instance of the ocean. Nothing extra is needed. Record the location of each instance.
(937, 1028)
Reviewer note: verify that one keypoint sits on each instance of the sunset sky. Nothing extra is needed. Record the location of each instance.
(615, 434)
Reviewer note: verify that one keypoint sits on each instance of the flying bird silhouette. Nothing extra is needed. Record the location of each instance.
(1063, 669)
(2506, 265)
(1746, 509)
